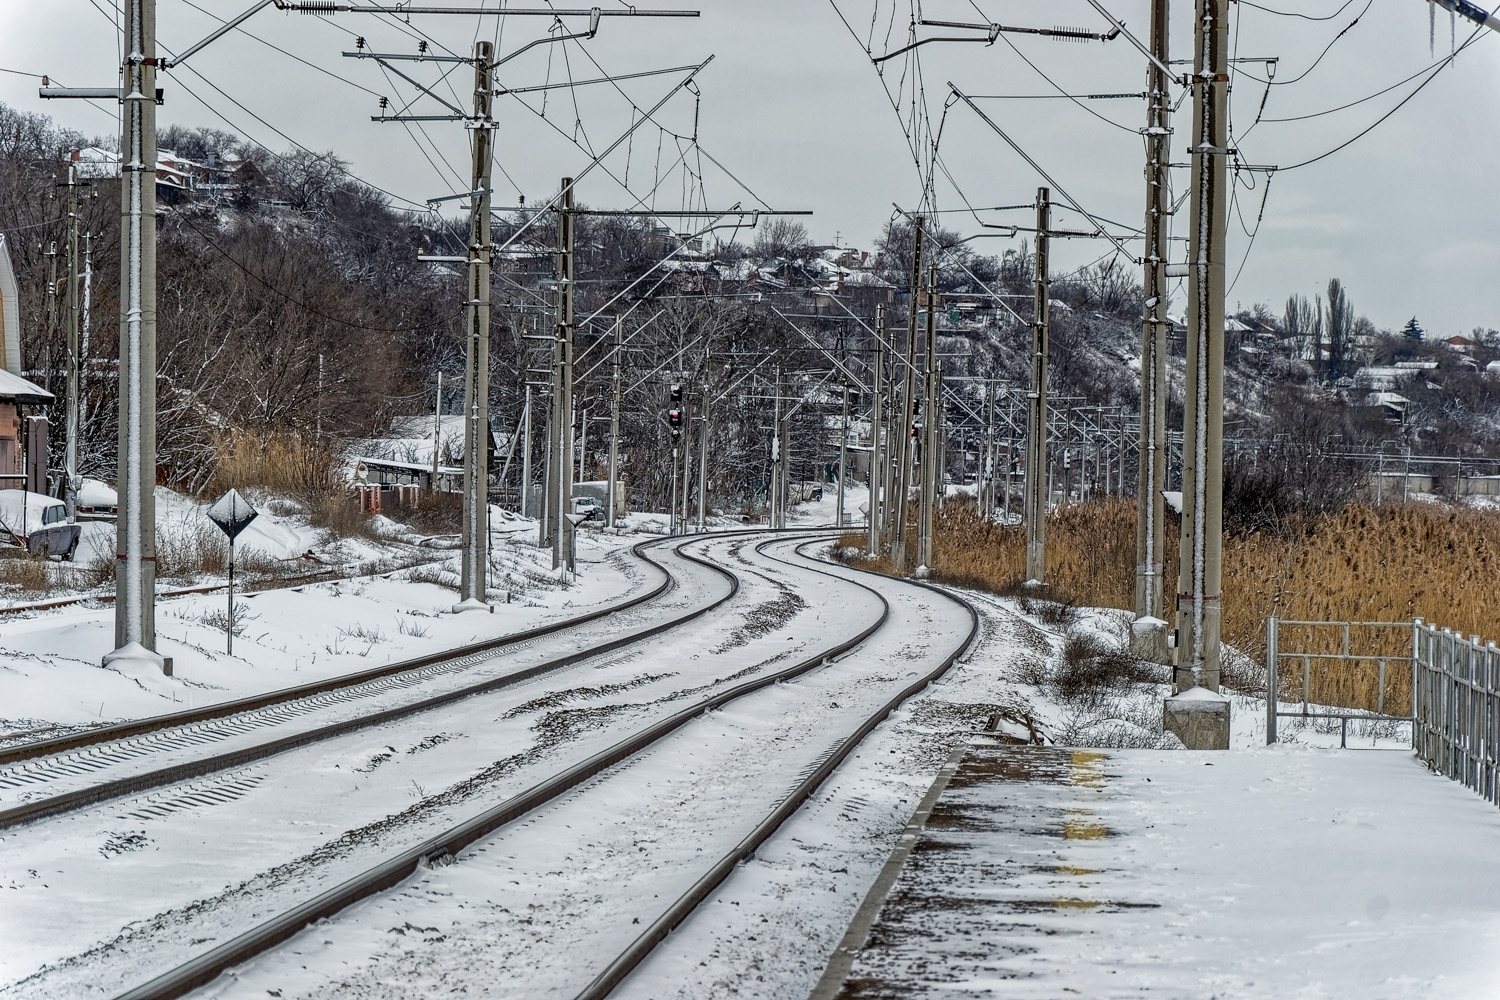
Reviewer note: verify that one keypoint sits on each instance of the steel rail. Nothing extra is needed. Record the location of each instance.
(83, 797)
(136, 727)
(621, 967)
(443, 847)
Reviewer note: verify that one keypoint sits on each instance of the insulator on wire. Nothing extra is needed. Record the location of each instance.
(318, 8)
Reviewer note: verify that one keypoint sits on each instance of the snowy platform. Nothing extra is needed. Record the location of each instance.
(1046, 872)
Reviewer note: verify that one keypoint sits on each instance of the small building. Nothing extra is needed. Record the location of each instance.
(16, 394)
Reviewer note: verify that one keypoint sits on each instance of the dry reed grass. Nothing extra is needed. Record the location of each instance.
(279, 461)
(295, 466)
(1386, 563)
(25, 573)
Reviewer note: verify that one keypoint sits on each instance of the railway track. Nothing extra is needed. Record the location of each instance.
(52, 746)
(438, 850)
(185, 734)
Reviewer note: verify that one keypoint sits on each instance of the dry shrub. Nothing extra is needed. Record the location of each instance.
(338, 513)
(25, 573)
(279, 461)
(296, 466)
(1385, 563)
(433, 514)
(1090, 670)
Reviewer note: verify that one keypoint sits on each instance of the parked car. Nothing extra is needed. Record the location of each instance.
(38, 524)
(591, 509)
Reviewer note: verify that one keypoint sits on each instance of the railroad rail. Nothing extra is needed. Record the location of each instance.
(436, 850)
(120, 730)
(313, 697)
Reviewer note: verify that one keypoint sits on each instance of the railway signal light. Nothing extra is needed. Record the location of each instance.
(676, 392)
(674, 420)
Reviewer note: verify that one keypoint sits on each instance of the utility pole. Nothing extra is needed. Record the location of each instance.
(843, 457)
(908, 400)
(1036, 413)
(703, 463)
(525, 498)
(70, 490)
(930, 467)
(1199, 579)
(437, 429)
(51, 315)
(1150, 530)
(562, 384)
(687, 461)
(476, 521)
(986, 489)
(135, 525)
(614, 432)
(777, 458)
(877, 417)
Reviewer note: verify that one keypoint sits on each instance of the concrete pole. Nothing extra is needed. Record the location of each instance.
(1035, 503)
(614, 433)
(476, 507)
(685, 473)
(1203, 412)
(525, 499)
(437, 429)
(908, 399)
(1010, 448)
(987, 462)
(135, 525)
(562, 386)
(877, 456)
(777, 458)
(843, 457)
(1150, 531)
(931, 462)
(703, 465)
(70, 490)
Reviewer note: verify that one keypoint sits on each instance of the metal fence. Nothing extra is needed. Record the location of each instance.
(1457, 706)
(1341, 670)
(1448, 683)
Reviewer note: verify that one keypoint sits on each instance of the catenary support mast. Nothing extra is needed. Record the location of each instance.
(135, 527)
(1150, 537)
(476, 522)
(1036, 413)
(1199, 578)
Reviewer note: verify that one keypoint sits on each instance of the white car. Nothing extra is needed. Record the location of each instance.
(591, 509)
(37, 523)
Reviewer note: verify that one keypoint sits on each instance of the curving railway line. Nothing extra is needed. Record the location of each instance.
(364, 803)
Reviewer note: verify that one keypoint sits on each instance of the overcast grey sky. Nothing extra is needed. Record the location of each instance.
(1407, 216)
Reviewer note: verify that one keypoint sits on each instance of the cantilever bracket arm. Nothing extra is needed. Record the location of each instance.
(1046, 176)
(1467, 10)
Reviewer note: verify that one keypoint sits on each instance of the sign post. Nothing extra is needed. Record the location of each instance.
(575, 520)
(233, 514)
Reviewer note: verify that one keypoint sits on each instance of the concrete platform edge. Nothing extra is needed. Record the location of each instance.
(842, 959)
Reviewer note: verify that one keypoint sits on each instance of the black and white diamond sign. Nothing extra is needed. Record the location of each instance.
(232, 513)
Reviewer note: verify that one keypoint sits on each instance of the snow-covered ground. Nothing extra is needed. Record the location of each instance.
(394, 607)
(1181, 875)
(547, 899)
